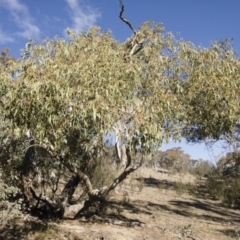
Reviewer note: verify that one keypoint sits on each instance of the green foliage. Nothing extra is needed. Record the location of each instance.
(211, 90)
(97, 84)
(10, 159)
(77, 86)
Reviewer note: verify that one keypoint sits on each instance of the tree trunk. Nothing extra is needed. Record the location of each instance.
(70, 188)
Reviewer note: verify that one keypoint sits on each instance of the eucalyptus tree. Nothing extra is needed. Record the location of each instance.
(72, 95)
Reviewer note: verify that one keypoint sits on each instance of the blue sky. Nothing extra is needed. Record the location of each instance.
(198, 21)
(201, 22)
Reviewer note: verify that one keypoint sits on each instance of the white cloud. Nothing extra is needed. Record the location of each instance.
(4, 37)
(22, 18)
(82, 17)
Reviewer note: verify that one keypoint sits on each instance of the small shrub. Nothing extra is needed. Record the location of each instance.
(180, 188)
(226, 190)
(231, 194)
(215, 188)
(162, 185)
(191, 187)
(10, 206)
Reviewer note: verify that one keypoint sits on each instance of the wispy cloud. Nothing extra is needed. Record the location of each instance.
(82, 17)
(4, 37)
(22, 18)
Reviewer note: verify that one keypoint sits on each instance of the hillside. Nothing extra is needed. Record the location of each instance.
(152, 204)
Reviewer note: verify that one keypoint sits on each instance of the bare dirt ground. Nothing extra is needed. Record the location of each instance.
(150, 205)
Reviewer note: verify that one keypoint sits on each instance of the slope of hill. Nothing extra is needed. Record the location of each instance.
(152, 204)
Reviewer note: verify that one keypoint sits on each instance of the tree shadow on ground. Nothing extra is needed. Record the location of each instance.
(136, 208)
(218, 212)
(200, 190)
(231, 233)
(187, 209)
(156, 183)
(112, 212)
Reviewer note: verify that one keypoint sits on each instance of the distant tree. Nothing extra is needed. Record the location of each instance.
(201, 168)
(175, 159)
(70, 96)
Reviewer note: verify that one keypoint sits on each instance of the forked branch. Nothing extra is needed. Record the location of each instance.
(136, 45)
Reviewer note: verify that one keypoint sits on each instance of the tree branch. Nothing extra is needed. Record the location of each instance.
(81, 176)
(136, 46)
(125, 20)
(98, 193)
(105, 190)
